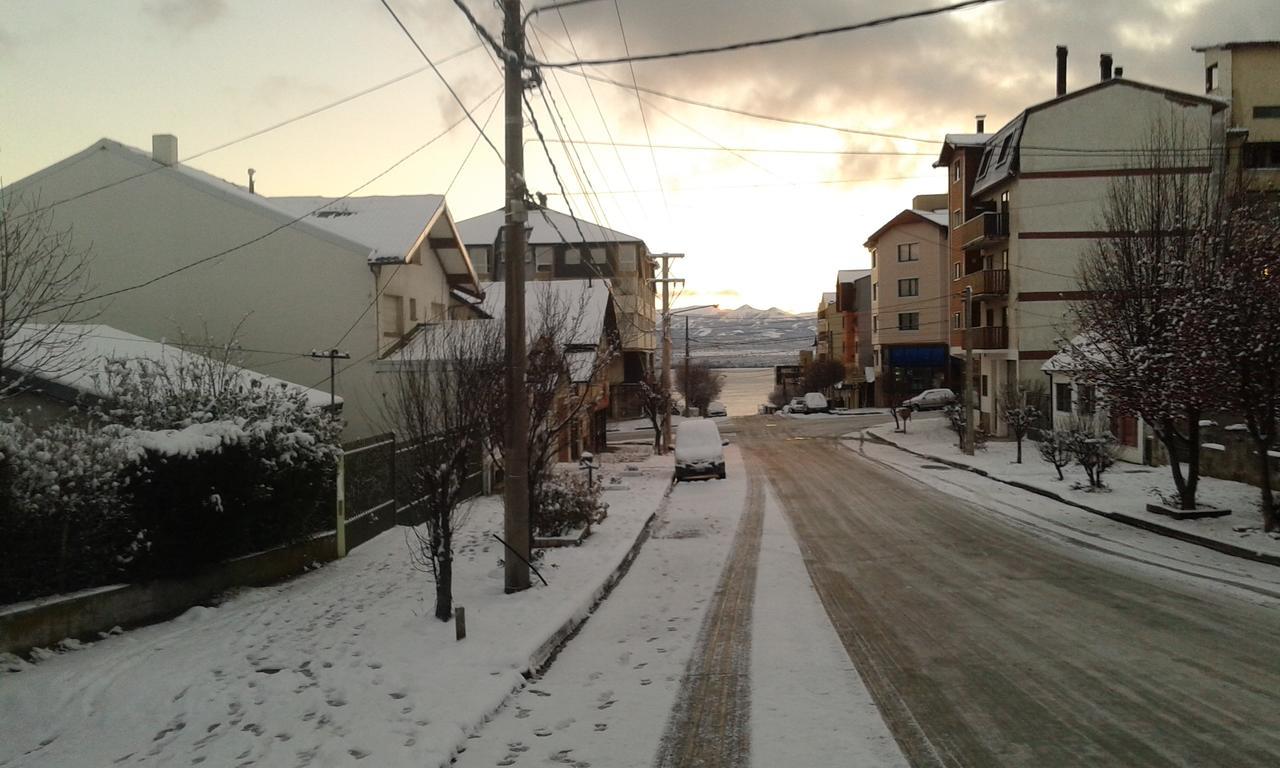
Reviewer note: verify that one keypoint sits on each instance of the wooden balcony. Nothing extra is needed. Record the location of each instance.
(986, 282)
(983, 229)
(990, 337)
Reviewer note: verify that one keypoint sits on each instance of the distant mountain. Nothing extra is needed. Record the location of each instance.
(745, 336)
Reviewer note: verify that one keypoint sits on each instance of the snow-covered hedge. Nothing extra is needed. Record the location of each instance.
(182, 469)
(567, 504)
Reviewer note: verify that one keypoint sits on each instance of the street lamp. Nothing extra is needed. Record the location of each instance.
(667, 418)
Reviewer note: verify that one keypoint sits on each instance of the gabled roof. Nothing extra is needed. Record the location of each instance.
(936, 218)
(483, 230)
(205, 182)
(86, 350)
(954, 141)
(394, 227)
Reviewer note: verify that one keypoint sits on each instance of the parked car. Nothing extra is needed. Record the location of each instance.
(815, 402)
(797, 405)
(715, 408)
(930, 398)
(699, 450)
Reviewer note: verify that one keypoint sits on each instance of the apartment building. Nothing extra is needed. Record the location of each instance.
(562, 247)
(1025, 204)
(910, 302)
(828, 332)
(1246, 75)
(853, 306)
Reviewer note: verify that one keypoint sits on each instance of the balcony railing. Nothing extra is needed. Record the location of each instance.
(990, 337)
(987, 282)
(983, 229)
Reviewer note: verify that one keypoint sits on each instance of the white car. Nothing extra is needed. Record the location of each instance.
(816, 402)
(930, 398)
(699, 450)
(796, 406)
(715, 408)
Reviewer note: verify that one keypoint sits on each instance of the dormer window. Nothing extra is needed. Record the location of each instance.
(1004, 149)
(1211, 78)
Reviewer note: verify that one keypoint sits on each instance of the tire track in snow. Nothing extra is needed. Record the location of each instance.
(710, 722)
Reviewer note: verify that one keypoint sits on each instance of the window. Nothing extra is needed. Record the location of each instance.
(957, 218)
(1086, 399)
(572, 256)
(984, 385)
(909, 252)
(1266, 113)
(875, 324)
(545, 257)
(1004, 259)
(908, 321)
(875, 291)
(437, 311)
(957, 271)
(1004, 149)
(955, 320)
(598, 256)
(413, 309)
(626, 258)
(1262, 154)
(909, 286)
(392, 315)
(958, 172)
(986, 161)
(877, 358)
(1211, 77)
(1062, 398)
(480, 258)
(873, 258)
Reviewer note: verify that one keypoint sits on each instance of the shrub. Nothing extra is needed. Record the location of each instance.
(1055, 448)
(956, 419)
(64, 521)
(1092, 446)
(567, 503)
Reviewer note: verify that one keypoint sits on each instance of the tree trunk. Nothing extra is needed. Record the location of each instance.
(1018, 440)
(1168, 436)
(1193, 458)
(1268, 499)
(444, 588)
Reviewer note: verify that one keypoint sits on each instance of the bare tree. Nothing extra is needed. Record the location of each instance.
(699, 384)
(822, 375)
(656, 402)
(43, 284)
(1247, 305)
(1148, 345)
(572, 343)
(1017, 410)
(437, 404)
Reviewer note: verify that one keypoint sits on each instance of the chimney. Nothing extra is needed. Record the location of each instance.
(982, 123)
(164, 148)
(1119, 71)
(1062, 70)
(251, 172)
(1104, 64)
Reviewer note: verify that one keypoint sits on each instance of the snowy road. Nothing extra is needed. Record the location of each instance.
(987, 643)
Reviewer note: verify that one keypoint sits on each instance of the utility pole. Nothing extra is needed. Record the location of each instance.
(968, 371)
(686, 362)
(666, 281)
(333, 356)
(515, 454)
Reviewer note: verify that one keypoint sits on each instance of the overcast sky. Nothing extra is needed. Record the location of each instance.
(770, 229)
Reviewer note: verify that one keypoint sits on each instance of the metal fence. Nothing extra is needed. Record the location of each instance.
(379, 485)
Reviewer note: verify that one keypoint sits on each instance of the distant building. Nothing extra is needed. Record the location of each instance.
(562, 247)
(1246, 75)
(909, 301)
(853, 306)
(828, 336)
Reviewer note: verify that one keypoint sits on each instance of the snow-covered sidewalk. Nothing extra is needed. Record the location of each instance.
(341, 664)
(1129, 487)
(609, 697)
(929, 442)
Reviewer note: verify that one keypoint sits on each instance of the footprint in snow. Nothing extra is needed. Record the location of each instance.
(542, 732)
(601, 727)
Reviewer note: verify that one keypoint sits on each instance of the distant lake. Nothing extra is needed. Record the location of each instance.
(745, 389)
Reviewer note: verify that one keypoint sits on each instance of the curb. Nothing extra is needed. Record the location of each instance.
(1119, 517)
(550, 649)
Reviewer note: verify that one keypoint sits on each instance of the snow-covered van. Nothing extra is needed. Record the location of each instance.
(699, 450)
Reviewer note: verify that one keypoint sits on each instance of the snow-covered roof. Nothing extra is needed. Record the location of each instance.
(851, 275)
(483, 229)
(938, 218)
(86, 350)
(953, 140)
(828, 297)
(1064, 361)
(389, 225)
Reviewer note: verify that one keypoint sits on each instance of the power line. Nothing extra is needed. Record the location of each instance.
(248, 136)
(882, 21)
(644, 120)
(269, 233)
(440, 75)
(762, 150)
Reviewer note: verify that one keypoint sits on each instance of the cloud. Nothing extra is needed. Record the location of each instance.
(186, 15)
